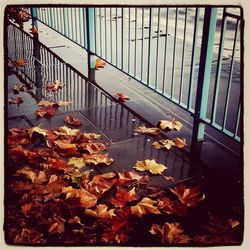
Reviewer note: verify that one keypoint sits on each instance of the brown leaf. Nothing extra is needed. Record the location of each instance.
(172, 207)
(54, 86)
(18, 100)
(18, 136)
(150, 165)
(67, 131)
(101, 211)
(45, 112)
(170, 233)
(23, 16)
(87, 200)
(98, 159)
(122, 97)
(131, 178)
(145, 206)
(188, 196)
(166, 144)
(47, 103)
(18, 153)
(145, 130)
(174, 124)
(57, 226)
(99, 64)
(26, 208)
(123, 197)
(27, 172)
(17, 88)
(93, 147)
(180, 143)
(67, 147)
(71, 120)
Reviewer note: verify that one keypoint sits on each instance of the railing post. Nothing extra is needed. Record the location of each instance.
(90, 42)
(206, 55)
(34, 17)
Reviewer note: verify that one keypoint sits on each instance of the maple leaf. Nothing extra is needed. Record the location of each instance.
(93, 147)
(71, 120)
(180, 143)
(54, 164)
(47, 103)
(99, 64)
(101, 211)
(20, 62)
(78, 162)
(87, 200)
(17, 88)
(170, 233)
(57, 226)
(167, 144)
(67, 147)
(28, 172)
(109, 237)
(45, 112)
(18, 136)
(145, 206)
(33, 30)
(122, 97)
(54, 86)
(53, 178)
(91, 136)
(123, 197)
(131, 178)
(37, 130)
(101, 183)
(172, 207)
(188, 196)
(18, 153)
(174, 124)
(67, 131)
(63, 103)
(145, 130)
(98, 159)
(150, 165)
(23, 16)
(18, 100)
(122, 220)
(47, 153)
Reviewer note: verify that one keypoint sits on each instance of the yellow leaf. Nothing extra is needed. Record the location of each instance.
(78, 162)
(46, 103)
(150, 165)
(101, 211)
(37, 130)
(145, 130)
(165, 124)
(180, 143)
(63, 103)
(67, 131)
(163, 144)
(145, 206)
(99, 63)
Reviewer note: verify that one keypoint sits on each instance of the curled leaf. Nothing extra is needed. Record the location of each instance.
(174, 124)
(99, 64)
(101, 211)
(122, 97)
(45, 112)
(54, 86)
(71, 120)
(145, 130)
(167, 144)
(180, 143)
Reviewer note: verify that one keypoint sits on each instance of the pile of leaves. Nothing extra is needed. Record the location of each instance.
(56, 196)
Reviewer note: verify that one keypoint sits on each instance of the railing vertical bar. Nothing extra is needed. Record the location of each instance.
(51, 17)
(174, 52)
(128, 39)
(84, 27)
(219, 66)
(95, 30)
(100, 24)
(111, 38)
(135, 42)
(142, 45)
(122, 38)
(76, 26)
(183, 55)
(149, 44)
(157, 47)
(230, 77)
(105, 34)
(238, 120)
(69, 28)
(80, 14)
(165, 54)
(193, 59)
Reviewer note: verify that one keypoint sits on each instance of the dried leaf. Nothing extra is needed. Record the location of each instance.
(17, 88)
(145, 206)
(63, 103)
(26, 208)
(123, 197)
(47, 103)
(93, 147)
(33, 30)
(37, 130)
(27, 172)
(18, 100)
(150, 165)
(54, 86)
(78, 162)
(99, 64)
(167, 144)
(131, 178)
(98, 159)
(67, 147)
(67, 131)
(145, 130)
(101, 211)
(20, 62)
(180, 143)
(122, 97)
(188, 196)
(91, 136)
(45, 112)
(172, 207)
(174, 124)
(170, 233)
(57, 226)
(169, 178)
(71, 120)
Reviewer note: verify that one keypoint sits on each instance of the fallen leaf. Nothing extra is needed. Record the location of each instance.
(110, 237)
(27, 172)
(54, 86)
(169, 178)
(23, 16)
(174, 124)
(188, 196)
(71, 120)
(98, 159)
(18, 136)
(18, 153)
(101, 211)
(37, 130)
(67, 131)
(78, 162)
(99, 64)
(180, 143)
(122, 97)
(33, 30)
(20, 62)
(93, 147)
(145, 130)
(17, 88)
(63, 103)
(45, 112)
(57, 226)
(87, 200)
(26, 208)
(172, 207)
(167, 144)
(91, 136)
(131, 178)
(18, 100)
(170, 233)
(67, 147)
(145, 206)
(123, 197)
(150, 165)
(47, 103)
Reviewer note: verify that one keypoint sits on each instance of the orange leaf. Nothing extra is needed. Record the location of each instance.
(45, 112)
(66, 146)
(20, 62)
(145, 130)
(93, 147)
(99, 64)
(122, 97)
(123, 197)
(131, 178)
(71, 120)
(101, 211)
(54, 86)
(17, 100)
(33, 30)
(47, 103)
(166, 144)
(98, 159)
(150, 165)
(172, 207)
(180, 143)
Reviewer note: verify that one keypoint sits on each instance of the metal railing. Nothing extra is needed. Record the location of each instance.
(161, 48)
